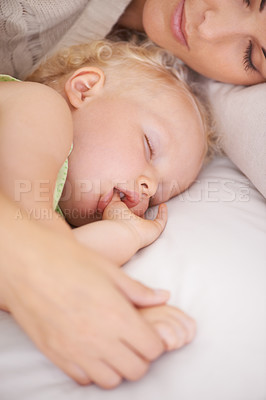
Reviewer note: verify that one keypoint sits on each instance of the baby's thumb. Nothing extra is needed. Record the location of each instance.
(141, 295)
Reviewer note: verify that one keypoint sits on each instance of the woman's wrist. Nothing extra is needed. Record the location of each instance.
(7, 250)
(17, 235)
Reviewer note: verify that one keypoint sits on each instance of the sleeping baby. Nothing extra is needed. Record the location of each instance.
(109, 130)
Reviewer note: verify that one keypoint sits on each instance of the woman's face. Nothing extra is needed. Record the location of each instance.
(222, 39)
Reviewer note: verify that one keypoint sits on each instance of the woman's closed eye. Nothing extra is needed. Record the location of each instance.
(247, 59)
(247, 3)
(262, 5)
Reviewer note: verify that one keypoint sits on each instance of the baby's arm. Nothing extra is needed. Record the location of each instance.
(121, 233)
(118, 237)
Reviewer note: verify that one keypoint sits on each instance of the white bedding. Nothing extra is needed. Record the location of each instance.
(212, 256)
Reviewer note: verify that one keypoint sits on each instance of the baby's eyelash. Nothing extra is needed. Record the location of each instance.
(247, 2)
(247, 59)
(149, 145)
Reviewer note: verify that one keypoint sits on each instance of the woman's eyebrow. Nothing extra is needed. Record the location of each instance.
(262, 5)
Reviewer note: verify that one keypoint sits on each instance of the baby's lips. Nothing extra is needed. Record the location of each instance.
(130, 198)
(131, 202)
(104, 201)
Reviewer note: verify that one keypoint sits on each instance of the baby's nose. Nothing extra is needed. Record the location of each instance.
(147, 186)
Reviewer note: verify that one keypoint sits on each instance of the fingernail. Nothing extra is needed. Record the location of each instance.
(168, 337)
(163, 294)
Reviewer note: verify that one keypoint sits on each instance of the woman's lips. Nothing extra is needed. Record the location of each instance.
(178, 23)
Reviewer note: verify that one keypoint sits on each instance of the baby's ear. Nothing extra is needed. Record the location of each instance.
(83, 84)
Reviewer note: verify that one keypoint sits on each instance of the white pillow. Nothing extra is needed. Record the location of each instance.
(240, 115)
(211, 257)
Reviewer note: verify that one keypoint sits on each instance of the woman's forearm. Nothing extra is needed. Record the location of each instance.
(22, 241)
(13, 228)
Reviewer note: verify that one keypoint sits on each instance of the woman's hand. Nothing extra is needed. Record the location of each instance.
(76, 306)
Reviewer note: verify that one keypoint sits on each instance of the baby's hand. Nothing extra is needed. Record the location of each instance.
(173, 326)
(143, 230)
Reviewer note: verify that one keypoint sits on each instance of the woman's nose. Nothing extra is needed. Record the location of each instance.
(222, 24)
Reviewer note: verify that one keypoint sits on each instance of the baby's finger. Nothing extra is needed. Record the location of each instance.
(172, 335)
(116, 196)
(116, 209)
(150, 230)
(188, 322)
(173, 326)
(161, 217)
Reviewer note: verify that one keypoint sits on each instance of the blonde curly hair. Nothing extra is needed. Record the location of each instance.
(126, 60)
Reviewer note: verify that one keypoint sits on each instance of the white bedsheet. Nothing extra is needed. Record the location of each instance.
(212, 256)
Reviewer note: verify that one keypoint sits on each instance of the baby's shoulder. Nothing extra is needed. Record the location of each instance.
(30, 91)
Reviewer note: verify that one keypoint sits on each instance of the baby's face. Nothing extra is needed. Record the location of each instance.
(148, 147)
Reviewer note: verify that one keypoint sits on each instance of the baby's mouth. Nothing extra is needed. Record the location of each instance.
(129, 197)
(104, 201)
